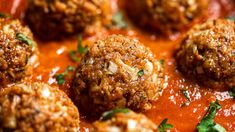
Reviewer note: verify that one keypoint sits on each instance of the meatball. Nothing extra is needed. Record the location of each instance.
(118, 72)
(53, 19)
(37, 107)
(18, 51)
(123, 120)
(167, 16)
(208, 53)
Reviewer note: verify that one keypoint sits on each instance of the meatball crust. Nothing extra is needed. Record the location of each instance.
(124, 121)
(118, 72)
(37, 107)
(208, 53)
(53, 19)
(18, 51)
(167, 16)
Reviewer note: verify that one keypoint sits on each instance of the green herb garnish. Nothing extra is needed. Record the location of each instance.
(207, 123)
(118, 20)
(162, 61)
(60, 78)
(163, 127)
(24, 39)
(80, 50)
(140, 73)
(73, 56)
(232, 92)
(109, 114)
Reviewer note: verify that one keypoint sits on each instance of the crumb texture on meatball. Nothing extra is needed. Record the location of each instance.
(118, 72)
(18, 51)
(208, 53)
(53, 19)
(167, 15)
(123, 121)
(37, 107)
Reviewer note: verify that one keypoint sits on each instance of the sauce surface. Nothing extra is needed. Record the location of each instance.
(54, 58)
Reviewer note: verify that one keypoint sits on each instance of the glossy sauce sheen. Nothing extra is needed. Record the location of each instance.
(54, 58)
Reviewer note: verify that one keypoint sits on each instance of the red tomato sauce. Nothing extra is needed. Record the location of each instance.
(54, 58)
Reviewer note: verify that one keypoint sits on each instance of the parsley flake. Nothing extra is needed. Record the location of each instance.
(69, 68)
(109, 114)
(140, 73)
(60, 78)
(73, 56)
(162, 61)
(163, 127)
(24, 39)
(232, 92)
(80, 50)
(207, 123)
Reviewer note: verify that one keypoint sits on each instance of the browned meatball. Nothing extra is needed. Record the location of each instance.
(118, 72)
(124, 120)
(53, 19)
(208, 53)
(18, 51)
(167, 15)
(37, 107)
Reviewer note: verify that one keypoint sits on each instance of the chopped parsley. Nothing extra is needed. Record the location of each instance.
(232, 92)
(109, 114)
(118, 20)
(140, 73)
(73, 56)
(207, 123)
(162, 61)
(80, 50)
(60, 78)
(24, 39)
(187, 96)
(163, 127)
